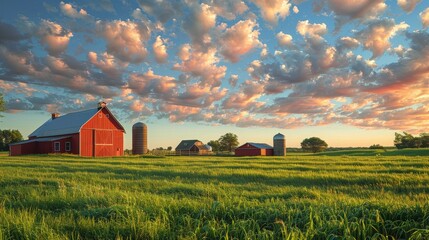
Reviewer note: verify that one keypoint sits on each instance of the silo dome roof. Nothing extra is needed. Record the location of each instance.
(279, 136)
(139, 124)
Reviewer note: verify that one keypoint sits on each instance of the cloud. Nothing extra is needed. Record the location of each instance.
(54, 37)
(295, 9)
(300, 105)
(362, 9)
(408, 5)
(229, 9)
(312, 33)
(246, 97)
(112, 69)
(201, 65)
(376, 36)
(284, 39)
(199, 23)
(160, 50)
(68, 10)
(125, 39)
(151, 85)
(162, 10)
(424, 16)
(274, 10)
(239, 40)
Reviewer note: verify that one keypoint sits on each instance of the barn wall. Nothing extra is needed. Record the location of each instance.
(101, 137)
(269, 152)
(15, 150)
(247, 152)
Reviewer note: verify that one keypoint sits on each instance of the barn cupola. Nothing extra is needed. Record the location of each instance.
(101, 105)
(55, 115)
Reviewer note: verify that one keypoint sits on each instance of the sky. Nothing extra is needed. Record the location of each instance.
(352, 72)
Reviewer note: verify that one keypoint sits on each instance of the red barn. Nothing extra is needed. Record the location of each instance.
(90, 133)
(254, 149)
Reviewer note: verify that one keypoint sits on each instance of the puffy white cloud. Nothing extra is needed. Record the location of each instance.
(201, 64)
(199, 23)
(295, 9)
(312, 32)
(68, 10)
(239, 39)
(424, 16)
(151, 85)
(125, 39)
(408, 5)
(273, 10)
(112, 69)
(160, 50)
(54, 37)
(229, 9)
(349, 42)
(284, 39)
(361, 9)
(376, 36)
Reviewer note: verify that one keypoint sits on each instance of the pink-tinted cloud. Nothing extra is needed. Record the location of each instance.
(229, 9)
(284, 39)
(68, 10)
(125, 39)
(160, 50)
(110, 67)
(54, 37)
(408, 5)
(273, 10)
(151, 85)
(360, 9)
(246, 97)
(201, 65)
(312, 32)
(424, 16)
(376, 37)
(239, 40)
(199, 23)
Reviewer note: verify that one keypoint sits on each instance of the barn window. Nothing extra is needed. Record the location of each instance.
(68, 146)
(100, 115)
(57, 146)
(107, 115)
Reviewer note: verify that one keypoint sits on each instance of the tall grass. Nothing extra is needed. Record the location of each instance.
(297, 197)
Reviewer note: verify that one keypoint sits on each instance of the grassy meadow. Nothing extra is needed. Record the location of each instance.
(367, 196)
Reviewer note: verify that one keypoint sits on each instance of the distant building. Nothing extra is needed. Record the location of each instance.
(90, 133)
(254, 149)
(191, 147)
(279, 143)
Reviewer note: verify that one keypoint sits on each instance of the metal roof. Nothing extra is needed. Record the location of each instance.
(187, 145)
(67, 124)
(46, 139)
(260, 145)
(279, 136)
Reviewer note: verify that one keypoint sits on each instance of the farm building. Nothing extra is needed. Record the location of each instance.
(90, 133)
(254, 149)
(191, 147)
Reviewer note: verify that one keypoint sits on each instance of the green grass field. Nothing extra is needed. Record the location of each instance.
(297, 197)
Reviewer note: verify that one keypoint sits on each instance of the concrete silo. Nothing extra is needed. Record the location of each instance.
(279, 143)
(139, 138)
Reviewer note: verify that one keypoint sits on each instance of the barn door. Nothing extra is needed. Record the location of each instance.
(103, 143)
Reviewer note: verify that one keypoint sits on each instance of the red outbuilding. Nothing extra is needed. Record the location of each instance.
(254, 149)
(90, 133)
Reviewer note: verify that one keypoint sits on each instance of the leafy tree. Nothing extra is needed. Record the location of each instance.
(7, 137)
(2, 107)
(313, 144)
(407, 140)
(169, 148)
(228, 142)
(215, 144)
(376, 146)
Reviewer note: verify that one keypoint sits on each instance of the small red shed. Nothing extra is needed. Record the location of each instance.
(90, 133)
(254, 149)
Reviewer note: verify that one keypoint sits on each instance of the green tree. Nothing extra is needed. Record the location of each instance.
(215, 144)
(313, 144)
(2, 107)
(7, 137)
(228, 142)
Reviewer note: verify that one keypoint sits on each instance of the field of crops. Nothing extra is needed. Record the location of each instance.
(297, 197)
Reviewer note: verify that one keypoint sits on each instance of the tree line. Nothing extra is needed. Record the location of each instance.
(407, 140)
(7, 137)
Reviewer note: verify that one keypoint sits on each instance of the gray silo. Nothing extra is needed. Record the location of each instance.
(279, 143)
(139, 138)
